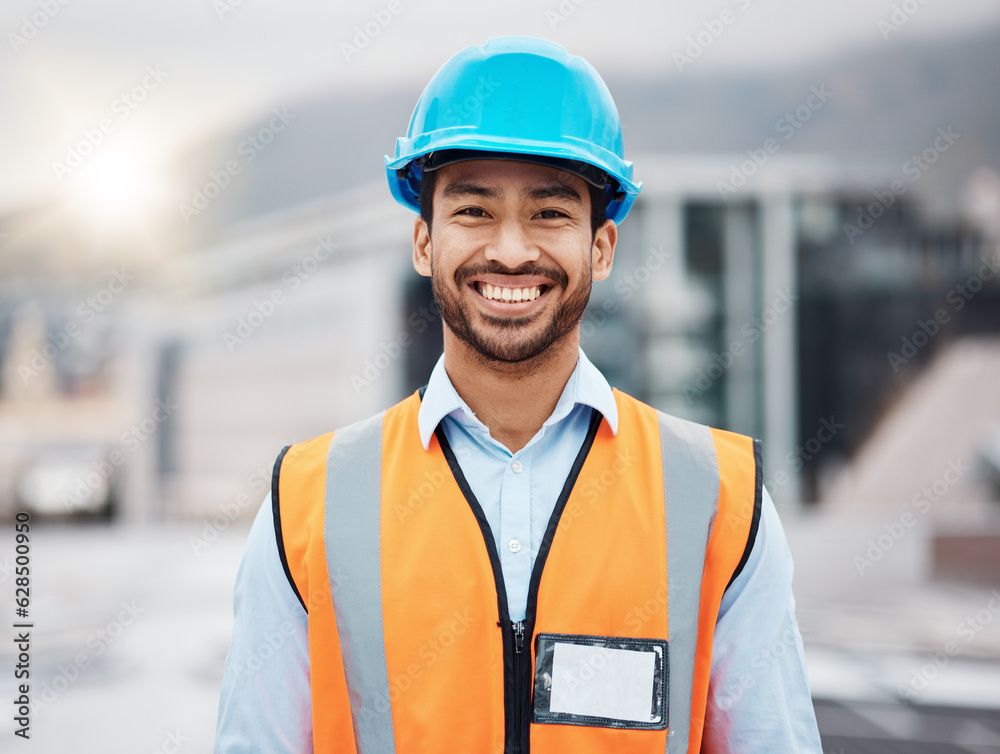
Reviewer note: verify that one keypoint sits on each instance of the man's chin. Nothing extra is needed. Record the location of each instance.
(527, 340)
(509, 324)
(521, 350)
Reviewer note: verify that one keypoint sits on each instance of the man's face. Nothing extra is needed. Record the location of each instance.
(511, 256)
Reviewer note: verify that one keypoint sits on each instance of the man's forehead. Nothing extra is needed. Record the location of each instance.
(502, 174)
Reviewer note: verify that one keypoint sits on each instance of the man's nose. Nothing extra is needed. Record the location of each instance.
(512, 246)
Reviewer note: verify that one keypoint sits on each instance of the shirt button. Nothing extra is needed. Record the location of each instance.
(516, 466)
(514, 545)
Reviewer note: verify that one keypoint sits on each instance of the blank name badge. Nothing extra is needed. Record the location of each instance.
(601, 681)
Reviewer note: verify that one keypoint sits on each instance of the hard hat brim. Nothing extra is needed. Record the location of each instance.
(404, 174)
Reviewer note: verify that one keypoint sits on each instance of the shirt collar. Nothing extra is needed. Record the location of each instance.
(586, 385)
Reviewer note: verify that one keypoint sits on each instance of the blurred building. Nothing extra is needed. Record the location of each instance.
(759, 305)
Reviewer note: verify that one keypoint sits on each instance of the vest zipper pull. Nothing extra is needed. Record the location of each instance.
(519, 637)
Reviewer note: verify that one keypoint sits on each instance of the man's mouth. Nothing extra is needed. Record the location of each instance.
(512, 295)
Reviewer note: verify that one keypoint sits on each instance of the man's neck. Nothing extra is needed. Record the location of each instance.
(513, 400)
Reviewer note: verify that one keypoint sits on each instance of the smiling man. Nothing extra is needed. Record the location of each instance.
(517, 557)
(512, 261)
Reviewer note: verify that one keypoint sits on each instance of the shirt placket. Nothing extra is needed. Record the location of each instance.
(515, 532)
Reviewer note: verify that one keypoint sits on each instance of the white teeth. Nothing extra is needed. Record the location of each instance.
(514, 295)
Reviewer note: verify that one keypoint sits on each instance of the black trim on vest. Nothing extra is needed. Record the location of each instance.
(491, 549)
(276, 512)
(543, 554)
(758, 496)
(519, 741)
(550, 530)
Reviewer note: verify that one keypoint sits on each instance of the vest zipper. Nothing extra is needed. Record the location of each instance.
(518, 630)
(517, 703)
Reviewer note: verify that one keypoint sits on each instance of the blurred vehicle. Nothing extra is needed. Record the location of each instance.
(73, 480)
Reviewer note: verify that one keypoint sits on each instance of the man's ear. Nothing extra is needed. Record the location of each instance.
(421, 247)
(603, 249)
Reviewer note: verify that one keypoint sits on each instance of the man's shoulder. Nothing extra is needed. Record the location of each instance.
(672, 422)
(679, 431)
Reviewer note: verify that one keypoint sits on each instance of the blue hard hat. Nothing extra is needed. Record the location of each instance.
(519, 98)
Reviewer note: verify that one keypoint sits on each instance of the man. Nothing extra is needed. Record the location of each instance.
(517, 557)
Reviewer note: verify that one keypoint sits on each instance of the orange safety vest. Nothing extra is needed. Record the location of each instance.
(411, 646)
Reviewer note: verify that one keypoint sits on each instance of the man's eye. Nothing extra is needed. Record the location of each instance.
(472, 212)
(549, 214)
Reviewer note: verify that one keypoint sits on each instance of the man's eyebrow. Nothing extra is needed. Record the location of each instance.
(555, 190)
(467, 188)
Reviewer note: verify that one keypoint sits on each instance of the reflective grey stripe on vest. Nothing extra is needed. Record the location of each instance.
(691, 492)
(352, 533)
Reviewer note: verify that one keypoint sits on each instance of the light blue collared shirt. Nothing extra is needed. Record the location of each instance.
(518, 491)
(758, 697)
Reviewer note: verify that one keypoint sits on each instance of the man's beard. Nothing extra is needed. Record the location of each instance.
(510, 345)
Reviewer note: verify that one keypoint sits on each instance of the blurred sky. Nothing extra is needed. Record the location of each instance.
(224, 61)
